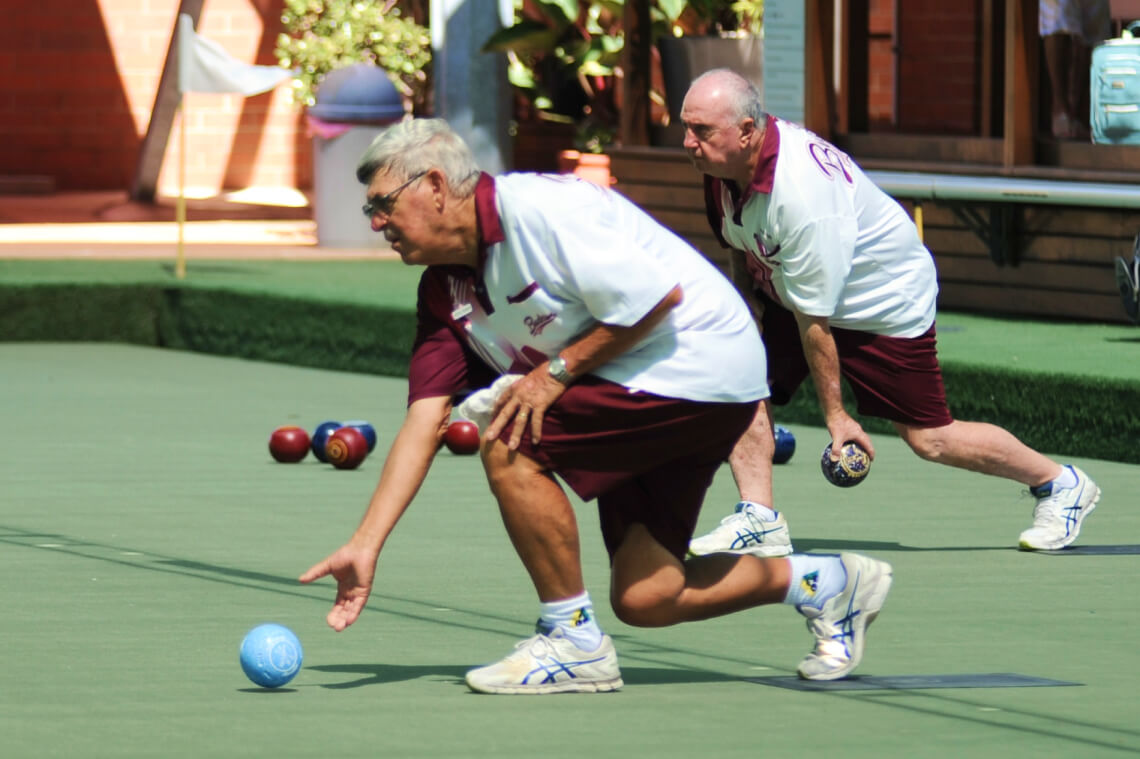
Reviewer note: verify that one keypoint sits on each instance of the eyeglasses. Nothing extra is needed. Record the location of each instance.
(385, 203)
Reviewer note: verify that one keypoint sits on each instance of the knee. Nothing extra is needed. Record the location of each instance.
(928, 444)
(634, 610)
(642, 605)
(500, 466)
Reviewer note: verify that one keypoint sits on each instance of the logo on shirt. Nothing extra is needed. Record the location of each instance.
(831, 161)
(761, 274)
(538, 323)
(460, 294)
(762, 249)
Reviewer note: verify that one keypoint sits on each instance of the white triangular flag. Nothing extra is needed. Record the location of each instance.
(205, 66)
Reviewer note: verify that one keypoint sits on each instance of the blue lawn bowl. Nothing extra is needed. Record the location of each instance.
(365, 429)
(321, 437)
(271, 655)
(853, 466)
(785, 445)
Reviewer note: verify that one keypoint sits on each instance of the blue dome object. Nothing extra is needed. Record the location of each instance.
(358, 93)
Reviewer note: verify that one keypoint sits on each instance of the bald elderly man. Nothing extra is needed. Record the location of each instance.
(842, 286)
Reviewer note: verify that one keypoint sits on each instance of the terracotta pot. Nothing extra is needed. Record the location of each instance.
(593, 167)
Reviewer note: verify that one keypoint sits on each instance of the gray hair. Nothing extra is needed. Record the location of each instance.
(419, 145)
(744, 97)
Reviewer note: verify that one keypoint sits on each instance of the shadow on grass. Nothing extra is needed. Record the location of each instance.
(381, 674)
(267, 691)
(833, 546)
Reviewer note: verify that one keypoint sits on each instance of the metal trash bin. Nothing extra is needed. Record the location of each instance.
(353, 104)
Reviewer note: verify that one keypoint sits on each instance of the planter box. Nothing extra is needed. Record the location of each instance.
(593, 167)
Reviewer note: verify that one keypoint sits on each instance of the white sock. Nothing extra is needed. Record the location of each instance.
(575, 617)
(762, 511)
(1068, 479)
(816, 578)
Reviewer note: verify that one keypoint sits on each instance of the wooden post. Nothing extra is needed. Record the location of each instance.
(1021, 42)
(819, 96)
(633, 92)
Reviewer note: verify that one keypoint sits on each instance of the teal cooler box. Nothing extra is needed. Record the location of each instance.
(356, 102)
(1114, 90)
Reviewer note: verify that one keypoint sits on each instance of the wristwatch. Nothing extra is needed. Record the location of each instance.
(558, 370)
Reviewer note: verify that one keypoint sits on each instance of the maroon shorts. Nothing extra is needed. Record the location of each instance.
(895, 378)
(646, 459)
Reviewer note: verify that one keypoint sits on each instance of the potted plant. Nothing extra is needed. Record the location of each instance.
(357, 65)
(703, 35)
(561, 59)
(324, 35)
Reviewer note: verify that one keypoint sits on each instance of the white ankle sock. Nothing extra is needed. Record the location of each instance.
(1065, 480)
(761, 510)
(1068, 479)
(575, 617)
(816, 578)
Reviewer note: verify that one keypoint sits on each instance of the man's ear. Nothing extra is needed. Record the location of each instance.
(439, 189)
(747, 130)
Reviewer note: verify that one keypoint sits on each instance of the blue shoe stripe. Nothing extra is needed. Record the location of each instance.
(847, 623)
(555, 668)
(745, 538)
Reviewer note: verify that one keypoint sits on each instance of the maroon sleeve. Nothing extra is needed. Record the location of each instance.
(713, 208)
(441, 363)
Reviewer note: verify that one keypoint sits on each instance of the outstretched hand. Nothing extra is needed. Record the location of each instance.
(354, 569)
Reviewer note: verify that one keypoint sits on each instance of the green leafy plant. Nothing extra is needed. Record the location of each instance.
(324, 35)
(711, 17)
(562, 54)
(749, 16)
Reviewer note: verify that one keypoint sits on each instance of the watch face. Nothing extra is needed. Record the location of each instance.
(557, 368)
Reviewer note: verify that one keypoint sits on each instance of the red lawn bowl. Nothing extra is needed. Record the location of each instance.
(289, 444)
(347, 448)
(462, 438)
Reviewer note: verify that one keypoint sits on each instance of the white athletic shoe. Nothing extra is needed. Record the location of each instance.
(1057, 517)
(840, 627)
(550, 664)
(744, 531)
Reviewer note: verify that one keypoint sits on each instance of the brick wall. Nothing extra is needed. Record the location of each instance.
(938, 66)
(80, 81)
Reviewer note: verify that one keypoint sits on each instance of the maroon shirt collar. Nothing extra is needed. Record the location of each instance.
(490, 229)
(765, 174)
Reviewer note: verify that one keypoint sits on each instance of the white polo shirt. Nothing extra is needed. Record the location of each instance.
(560, 255)
(824, 240)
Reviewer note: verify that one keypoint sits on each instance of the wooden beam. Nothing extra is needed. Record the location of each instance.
(1021, 42)
(857, 28)
(166, 100)
(842, 73)
(633, 93)
(819, 95)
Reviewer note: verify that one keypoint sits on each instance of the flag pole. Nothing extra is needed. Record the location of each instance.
(180, 207)
(204, 66)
